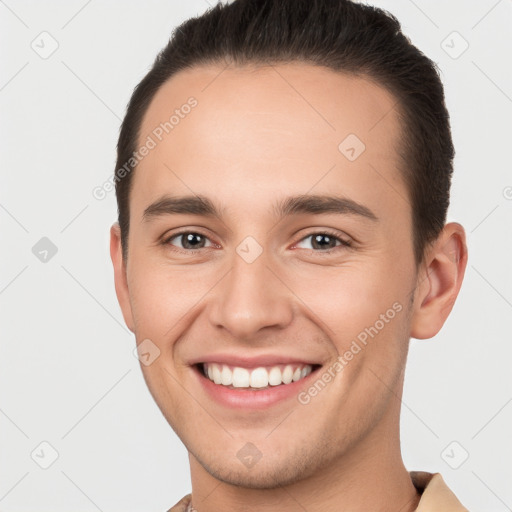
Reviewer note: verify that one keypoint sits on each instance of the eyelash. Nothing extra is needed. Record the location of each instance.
(344, 244)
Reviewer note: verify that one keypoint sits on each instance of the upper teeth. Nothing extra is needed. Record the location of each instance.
(258, 377)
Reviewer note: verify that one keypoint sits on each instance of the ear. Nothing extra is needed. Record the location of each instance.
(120, 279)
(439, 281)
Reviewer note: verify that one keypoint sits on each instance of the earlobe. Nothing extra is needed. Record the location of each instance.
(120, 277)
(439, 282)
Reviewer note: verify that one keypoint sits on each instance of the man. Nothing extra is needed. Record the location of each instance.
(282, 181)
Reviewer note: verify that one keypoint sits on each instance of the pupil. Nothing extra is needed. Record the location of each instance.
(318, 238)
(189, 240)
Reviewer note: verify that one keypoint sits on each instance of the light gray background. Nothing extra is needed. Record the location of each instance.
(68, 375)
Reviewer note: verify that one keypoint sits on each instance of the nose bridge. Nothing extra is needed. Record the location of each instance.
(251, 297)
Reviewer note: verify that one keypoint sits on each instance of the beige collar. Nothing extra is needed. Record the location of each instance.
(435, 494)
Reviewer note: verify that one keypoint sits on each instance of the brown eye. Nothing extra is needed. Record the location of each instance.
(189, 240)
(324, 242)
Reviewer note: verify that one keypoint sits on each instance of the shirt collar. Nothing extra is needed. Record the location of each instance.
(435, 494)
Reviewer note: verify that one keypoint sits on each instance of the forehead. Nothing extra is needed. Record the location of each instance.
(274, 127)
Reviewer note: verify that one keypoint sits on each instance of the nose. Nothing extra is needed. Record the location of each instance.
(250, 298)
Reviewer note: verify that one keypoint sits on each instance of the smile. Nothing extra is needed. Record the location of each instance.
(236, 377)
(255, 382)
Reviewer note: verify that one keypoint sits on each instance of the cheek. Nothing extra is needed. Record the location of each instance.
(350, 298)
(161, 295)
(362, 310)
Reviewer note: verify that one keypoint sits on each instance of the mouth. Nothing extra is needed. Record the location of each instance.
(254, 387)
(262, 377)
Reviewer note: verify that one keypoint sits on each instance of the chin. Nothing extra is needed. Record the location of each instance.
(265, 474)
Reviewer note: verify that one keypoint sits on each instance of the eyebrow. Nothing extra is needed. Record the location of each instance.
(294, 205)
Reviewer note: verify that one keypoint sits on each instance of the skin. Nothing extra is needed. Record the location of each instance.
(257, 135)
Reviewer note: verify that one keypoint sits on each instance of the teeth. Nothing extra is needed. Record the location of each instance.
(258, 378)
(216, 375)
(274, 376)
(287, 374)
(226, 376)
(240, 378)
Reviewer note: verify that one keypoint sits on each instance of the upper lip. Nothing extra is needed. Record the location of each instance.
(252, 361)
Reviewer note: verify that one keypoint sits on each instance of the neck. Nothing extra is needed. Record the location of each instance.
(371, 476)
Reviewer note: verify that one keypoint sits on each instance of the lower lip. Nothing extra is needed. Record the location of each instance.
(247, 398)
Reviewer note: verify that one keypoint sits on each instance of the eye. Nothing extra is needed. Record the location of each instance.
(192, 241)
(324, 241)
(189, 241)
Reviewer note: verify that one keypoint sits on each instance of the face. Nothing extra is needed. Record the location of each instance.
(290, 261)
